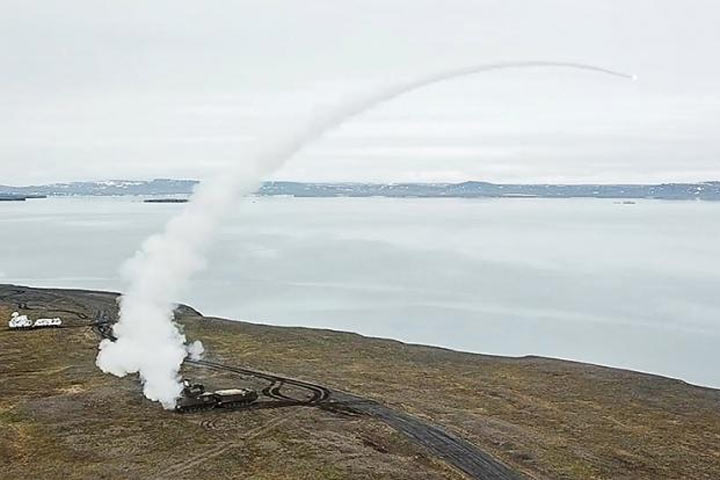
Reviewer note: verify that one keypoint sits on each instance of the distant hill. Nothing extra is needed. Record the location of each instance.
(670, 191)
(163, 186)
(159, 186)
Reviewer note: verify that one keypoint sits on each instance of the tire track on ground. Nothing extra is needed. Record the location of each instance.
(178, 469)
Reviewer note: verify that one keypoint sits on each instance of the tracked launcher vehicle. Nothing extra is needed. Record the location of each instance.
(194, 398)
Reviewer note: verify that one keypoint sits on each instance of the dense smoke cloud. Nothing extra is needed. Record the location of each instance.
(148, 341)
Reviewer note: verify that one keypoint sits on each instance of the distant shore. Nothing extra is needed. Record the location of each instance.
(19, 198)
(166, 200)
(169, 189)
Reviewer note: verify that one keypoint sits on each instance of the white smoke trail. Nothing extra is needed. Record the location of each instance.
(148, 341)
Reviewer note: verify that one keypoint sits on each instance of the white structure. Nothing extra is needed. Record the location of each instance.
(47, 322)
(19, 321)
(22, 321)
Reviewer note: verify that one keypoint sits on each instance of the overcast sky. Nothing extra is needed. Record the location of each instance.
(140, 89)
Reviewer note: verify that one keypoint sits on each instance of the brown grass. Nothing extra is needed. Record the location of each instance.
(63, 418)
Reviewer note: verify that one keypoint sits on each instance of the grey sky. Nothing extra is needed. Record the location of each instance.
(137, 89)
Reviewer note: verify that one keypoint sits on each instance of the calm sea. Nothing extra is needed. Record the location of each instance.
(635, 286)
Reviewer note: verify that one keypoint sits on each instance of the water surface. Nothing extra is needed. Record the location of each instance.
(633, 286)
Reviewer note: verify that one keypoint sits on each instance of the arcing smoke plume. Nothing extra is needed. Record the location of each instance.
(148, 341)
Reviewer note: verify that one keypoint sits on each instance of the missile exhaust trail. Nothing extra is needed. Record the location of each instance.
(148, 341)
(348, 110)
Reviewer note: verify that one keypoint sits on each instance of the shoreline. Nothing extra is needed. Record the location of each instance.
(440, 348)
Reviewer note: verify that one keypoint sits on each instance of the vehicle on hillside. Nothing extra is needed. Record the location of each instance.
(47, 322)
(194, 397)
(19, 321)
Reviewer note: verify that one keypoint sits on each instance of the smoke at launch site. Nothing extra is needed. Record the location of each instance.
(148, 341)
